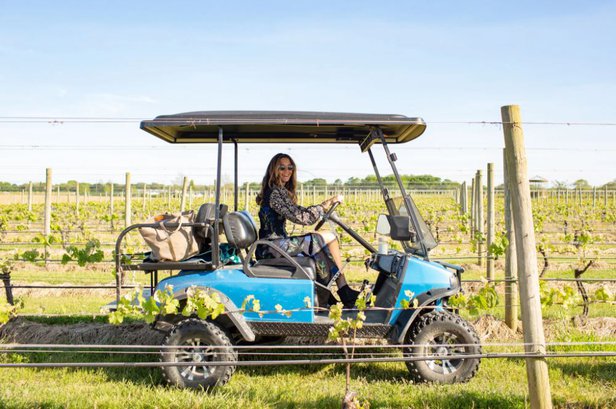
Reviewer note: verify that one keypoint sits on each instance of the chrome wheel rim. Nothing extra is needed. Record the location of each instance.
(444, 346)
(199, 354)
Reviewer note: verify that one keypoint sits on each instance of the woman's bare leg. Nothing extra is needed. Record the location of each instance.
(334, 249)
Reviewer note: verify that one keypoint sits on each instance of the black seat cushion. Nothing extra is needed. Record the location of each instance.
(282, 268)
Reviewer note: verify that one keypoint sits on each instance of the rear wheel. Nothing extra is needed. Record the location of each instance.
(443, 336)
(199, 343)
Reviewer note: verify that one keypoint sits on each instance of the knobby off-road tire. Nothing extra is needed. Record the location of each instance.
(208, 341)
(441, 331)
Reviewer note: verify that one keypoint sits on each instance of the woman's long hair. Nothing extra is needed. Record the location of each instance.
(272, 178)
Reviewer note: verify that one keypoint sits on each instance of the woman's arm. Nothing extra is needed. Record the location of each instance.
(281, 202)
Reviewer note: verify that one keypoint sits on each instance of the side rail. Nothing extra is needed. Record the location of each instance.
(121, 265)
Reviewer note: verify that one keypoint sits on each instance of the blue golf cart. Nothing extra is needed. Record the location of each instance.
(428, 328)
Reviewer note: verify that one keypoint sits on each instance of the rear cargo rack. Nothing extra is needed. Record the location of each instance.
(196, 263)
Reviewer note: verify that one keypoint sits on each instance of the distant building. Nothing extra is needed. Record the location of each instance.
(538, 187)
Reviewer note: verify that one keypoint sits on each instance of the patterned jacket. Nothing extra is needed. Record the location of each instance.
(277, 207)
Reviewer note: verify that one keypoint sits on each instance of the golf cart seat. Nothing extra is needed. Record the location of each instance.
(241, 232)
(207, 214)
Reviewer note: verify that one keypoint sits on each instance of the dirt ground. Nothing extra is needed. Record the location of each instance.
(23, 331)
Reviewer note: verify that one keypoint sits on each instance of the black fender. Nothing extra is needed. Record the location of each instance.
(407, 317)
(165, 323)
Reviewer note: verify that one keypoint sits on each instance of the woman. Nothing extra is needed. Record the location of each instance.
(278, 203)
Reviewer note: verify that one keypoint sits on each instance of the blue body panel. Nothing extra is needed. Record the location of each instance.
(420, 276)
(232, 282)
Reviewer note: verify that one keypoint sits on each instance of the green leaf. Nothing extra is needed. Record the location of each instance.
(602, 294)
(116, 318)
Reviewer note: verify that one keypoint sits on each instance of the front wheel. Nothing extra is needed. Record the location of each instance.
(444, 336)
(198, 343)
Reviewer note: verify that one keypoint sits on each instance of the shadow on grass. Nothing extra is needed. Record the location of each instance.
(600, 371)
(416, 400)
(148, 376)
(374, 372)
(369, 371)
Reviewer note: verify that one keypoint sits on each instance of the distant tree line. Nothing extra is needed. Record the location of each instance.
(409, 181)
(417, 182)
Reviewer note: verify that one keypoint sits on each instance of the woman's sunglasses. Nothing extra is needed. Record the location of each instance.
(282, 168)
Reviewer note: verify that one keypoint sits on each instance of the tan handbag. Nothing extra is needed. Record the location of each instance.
(171, 243)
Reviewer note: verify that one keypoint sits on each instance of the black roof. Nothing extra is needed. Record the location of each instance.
(281, 127)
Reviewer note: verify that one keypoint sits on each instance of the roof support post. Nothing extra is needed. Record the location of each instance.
(391, 158)
(215, 254)
(388, 201)
(236, 190)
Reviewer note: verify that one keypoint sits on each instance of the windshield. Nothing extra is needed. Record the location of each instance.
(428, 239)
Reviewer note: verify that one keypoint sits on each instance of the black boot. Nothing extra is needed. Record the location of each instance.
(332, 300)
(348, 296)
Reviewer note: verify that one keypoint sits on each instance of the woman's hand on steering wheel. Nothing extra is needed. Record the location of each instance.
(335, 202)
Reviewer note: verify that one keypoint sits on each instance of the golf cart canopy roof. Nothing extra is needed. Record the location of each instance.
(281, 127)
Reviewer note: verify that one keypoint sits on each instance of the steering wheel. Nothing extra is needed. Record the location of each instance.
(326, 216)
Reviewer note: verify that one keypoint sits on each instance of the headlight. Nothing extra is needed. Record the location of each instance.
(454, 281)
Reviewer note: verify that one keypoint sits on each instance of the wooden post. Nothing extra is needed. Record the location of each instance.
(48, 192)
(247, 198)
(511, 262)
(567, 196)
(190, 194)
(145, 195)
(480, 227)
(594, 197)
(184, 191)
(30, 196)
(534, 337)
(77, 197)
(465, 194)
(301, 194)
(490, 260)
(127, 201)
(463, 199)
(604, 197)
(473, 204)
(111, 195)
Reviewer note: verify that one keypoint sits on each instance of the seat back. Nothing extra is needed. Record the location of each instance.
(207, 214)
(240, 229)
(241, 232)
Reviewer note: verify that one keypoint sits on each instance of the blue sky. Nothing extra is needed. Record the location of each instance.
(444, 61)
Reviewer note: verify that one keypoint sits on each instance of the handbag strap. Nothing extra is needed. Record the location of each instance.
(189, 215)
(168, 231)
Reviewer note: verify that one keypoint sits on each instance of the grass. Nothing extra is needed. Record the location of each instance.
(67, 304)
(499, 383)
(74, 274)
